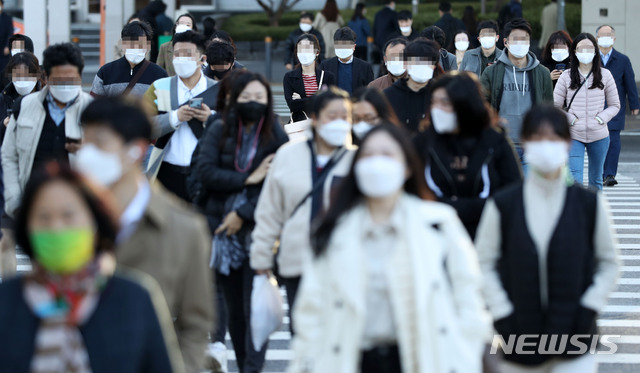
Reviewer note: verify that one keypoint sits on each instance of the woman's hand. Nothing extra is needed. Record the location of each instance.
(296, 96)
(232, 223)
(258, 175)
(555, 74)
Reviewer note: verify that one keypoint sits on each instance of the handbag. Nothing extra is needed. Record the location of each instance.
(301, 128)
(566, 108)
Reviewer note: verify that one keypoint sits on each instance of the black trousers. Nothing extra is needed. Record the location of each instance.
(381, 360)
(237, 294)
(220, 331)
(291, 285)
(174, 178)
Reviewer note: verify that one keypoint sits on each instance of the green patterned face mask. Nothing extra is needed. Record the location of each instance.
(63, 251)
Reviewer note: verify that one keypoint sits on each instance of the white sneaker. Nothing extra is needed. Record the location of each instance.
(217, 357)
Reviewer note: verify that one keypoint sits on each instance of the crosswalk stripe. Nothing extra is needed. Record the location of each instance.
(618, 358)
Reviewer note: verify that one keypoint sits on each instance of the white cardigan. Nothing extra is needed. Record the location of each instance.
(448, 327)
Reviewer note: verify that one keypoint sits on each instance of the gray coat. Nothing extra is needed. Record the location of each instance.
(448, 60)
(472, 60)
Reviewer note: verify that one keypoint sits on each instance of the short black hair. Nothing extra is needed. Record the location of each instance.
(393, 43)
(345, 34)
(62, 54)
(190, 37)
(444, 6)
(126, 119)
(135, 30)
(220, 53)
(28, 43)
(516, 24)
(404, 15)
(545, 115)
(422, 48)
(434, 33)
(488, 24)
(306, 15)
(98, 202)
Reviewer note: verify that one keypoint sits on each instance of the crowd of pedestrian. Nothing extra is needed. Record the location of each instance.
(410, 219)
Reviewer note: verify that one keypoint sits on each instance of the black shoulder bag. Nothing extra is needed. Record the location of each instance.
(566, 108)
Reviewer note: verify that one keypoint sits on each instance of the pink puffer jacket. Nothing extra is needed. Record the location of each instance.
(588, 104)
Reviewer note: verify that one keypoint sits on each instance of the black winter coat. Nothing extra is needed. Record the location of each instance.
(216, 170)
(293, 83)
(410, 106)
(464, 171)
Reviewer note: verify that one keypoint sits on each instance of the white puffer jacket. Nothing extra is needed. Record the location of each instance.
(588, 104)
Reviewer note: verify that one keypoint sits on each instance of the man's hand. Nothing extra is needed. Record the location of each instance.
(72, 147)
(185, 113)
(6, 121)
(635, 112)
(202, 114)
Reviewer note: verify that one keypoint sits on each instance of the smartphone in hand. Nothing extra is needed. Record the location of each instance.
(196, 103)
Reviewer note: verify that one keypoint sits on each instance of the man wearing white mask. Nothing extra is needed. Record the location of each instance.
(48, 126)
(181, 105)
(158, 235)
(405, 23)
(476, 60)
(620, 67)
(131, 74)
(408, 97)
(351, 73)
(305, 27)
(517, 81)
(394, 63)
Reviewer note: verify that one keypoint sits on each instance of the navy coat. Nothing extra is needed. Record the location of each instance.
(622, 71)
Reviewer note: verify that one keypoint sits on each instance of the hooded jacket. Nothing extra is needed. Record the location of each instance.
(409, 106)
(512, 91)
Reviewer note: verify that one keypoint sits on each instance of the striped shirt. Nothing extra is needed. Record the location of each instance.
(310, 84)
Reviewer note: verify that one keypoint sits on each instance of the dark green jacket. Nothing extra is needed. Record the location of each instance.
(539, 79)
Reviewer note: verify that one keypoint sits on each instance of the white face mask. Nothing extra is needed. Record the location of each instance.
(443, 122)
(395, 68)
(185, 66)
(585, 57)
(546, 156)
(488, 42)
(519, 50)
(462, 45)
(305, 27)
(306, 58)
(335, 132)
(65, 93)
(405, 30)
(135, 56)
(559, 55)
(344, 53)
(360, 129)
(420, 73)
(24, 87)
(182, 28)
(605, 41)
(98, 165)
(379, 176)
(16, 51)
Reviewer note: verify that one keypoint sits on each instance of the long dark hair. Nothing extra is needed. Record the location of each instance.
(330, 11)
(231, 115)
(465, 93)
(558, 37)
(225, 88)
(595, 66)
(97, 200)
(358, 12)
(349, 194)
(379, 101)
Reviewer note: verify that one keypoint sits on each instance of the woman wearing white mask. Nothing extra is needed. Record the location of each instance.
(564, 230)
(301, 83)
(185, 22)
(370, 108)
(461, 42)
(555, 55)
(297, 189)
(373, 299)
(467, 155)
(24, 77)
(583, 91)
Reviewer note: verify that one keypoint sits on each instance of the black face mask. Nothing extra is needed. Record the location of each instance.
(220, 74)
(252, 111)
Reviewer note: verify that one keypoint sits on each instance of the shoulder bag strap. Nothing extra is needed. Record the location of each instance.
(576, 92)
(321, 79)
(136, 77)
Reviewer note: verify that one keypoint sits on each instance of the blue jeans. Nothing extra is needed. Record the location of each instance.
(520, 152)
(597, 152)
(611, 162)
